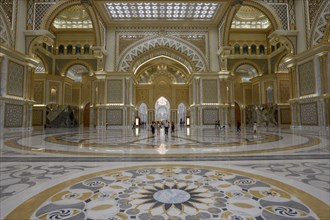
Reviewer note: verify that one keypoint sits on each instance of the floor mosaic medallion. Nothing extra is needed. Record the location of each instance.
(171, 192)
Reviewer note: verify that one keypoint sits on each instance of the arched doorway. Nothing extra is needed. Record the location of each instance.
(182, 113)
(143, 113)
(86, 115)
(162, 109)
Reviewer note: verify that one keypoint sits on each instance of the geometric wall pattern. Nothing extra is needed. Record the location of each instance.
(309, 114)
(161, 42)
(15, 80)
(210, 91)
(306, 78)
(114, 117)
(40, 9)
(115, 91)
(39, 92)
(321, 25)
(210, 116)
(5, 36)
(36, 11)
(13, 115)
(282, 12)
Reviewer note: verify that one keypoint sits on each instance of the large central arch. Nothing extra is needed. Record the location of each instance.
(168, 46)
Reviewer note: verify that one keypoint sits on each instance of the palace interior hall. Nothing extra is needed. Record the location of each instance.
(165, 110)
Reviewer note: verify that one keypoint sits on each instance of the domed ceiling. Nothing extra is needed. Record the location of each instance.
(73, 17)
(250, 18)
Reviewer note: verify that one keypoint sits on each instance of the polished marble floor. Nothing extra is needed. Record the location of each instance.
(191, 173)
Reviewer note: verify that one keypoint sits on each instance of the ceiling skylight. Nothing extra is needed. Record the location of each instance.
(161, 10)
(73, 17)
(250, 18)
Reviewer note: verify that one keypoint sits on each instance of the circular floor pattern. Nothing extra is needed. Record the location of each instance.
(121, 142)
(165, 192)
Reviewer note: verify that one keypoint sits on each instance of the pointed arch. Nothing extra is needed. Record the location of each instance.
(168, 46)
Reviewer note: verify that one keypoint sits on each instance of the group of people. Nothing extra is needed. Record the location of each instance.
(238, 126)
(166, 124)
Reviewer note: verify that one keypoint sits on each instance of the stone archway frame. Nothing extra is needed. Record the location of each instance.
(39, 40)
(138, 71)
(169, 101)
(321, 26)
(6, 30)
(263, 7)
(77, 62)
(42, 59)
(170, 46)
(279, 61)
(246, 62)
(62, 5)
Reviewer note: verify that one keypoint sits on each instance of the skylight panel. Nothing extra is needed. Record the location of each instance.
(161, 10)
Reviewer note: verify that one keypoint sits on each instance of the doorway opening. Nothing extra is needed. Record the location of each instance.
(162, 109)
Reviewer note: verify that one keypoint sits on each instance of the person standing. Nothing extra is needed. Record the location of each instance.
(166, 125)
(255, 127)
(153, 127)
(172, 127)
(238, 127)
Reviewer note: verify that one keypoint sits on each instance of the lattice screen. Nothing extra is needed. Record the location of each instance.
(40, 9)
(282, 12)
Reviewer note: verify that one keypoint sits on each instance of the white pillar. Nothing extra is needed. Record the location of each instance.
(21, 26)
(213, 45)
(300, 25)
(111, 50)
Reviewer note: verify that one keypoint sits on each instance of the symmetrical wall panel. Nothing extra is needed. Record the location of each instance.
(13, 115)
(15, 80)
(210, 116)
(306, 78)
(210, 91)
(115, 91)
(309, 113)
(114, 117)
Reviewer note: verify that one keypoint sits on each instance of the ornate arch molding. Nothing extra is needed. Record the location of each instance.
(164, 52)
(280, 62)
(62, 5)
(246, 62)
(5, 32)
(321, 26)
(170, 46)
(77, 62)
(43, 60)
(39, 40)
(263, 7)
